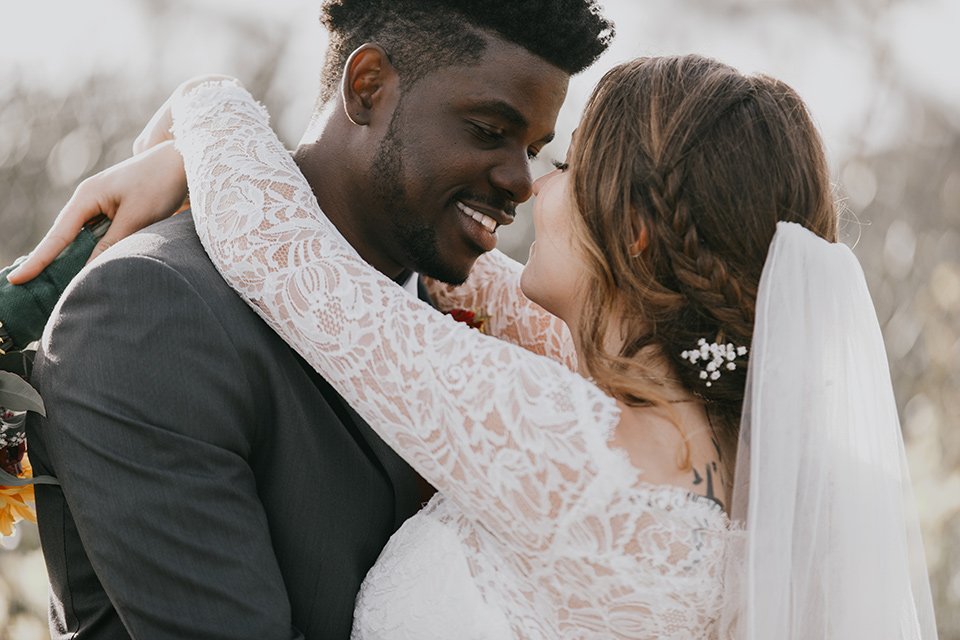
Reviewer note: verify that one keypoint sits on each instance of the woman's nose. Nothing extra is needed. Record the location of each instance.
(542, 180)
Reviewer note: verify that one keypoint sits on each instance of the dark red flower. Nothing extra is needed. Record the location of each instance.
(469, 318)
(10, 458)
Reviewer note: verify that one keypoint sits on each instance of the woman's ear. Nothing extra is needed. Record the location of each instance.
(641, 243)
(366, 75)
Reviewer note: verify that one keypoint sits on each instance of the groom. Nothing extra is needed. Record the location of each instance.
(212, 484)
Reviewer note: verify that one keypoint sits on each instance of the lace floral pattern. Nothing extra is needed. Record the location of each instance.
(494, 288)
(558, 530)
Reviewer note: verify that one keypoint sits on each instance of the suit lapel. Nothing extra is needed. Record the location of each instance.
(406, 485)
(423, 294)
(401, 475)
(405, 490)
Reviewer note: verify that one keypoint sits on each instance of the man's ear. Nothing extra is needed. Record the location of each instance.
(366, 75)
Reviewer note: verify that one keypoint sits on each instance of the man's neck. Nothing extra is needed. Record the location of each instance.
(335, 185)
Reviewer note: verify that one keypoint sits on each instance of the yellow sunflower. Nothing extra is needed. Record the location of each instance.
(14, 501)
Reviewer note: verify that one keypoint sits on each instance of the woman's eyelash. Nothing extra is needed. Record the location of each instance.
(563, 166)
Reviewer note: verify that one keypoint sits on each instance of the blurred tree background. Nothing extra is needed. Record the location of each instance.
(79, 80)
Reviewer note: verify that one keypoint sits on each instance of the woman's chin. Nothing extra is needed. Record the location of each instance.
(534, 291)
(526, 282)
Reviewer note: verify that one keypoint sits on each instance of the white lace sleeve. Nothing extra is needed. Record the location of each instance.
(514, 439)
(493, 290)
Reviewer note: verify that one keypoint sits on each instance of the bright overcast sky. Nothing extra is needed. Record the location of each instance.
(55, 43)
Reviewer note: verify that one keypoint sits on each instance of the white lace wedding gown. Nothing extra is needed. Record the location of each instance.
(540, 528)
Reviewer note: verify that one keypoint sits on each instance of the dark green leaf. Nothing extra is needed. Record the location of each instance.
(18, 362)
(17, 395)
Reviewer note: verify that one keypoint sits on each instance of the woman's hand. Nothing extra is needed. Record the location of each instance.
(136, 193)
(158, 129)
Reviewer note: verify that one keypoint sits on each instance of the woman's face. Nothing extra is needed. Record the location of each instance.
(555, 267)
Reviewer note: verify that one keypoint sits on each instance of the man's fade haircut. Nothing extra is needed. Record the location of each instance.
(422, 36)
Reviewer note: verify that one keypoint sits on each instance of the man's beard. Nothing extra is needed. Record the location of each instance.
(417, 239)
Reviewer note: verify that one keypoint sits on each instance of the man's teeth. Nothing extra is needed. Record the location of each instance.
(489, 223)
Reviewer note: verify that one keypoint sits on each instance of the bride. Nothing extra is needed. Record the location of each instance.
(703, 442)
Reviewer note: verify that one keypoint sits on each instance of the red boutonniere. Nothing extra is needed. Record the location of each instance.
(470, 318)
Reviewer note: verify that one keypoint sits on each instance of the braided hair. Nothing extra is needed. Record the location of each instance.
(423, 35)
(707, 161)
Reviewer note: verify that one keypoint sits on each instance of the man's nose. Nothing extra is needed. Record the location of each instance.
(512, 177)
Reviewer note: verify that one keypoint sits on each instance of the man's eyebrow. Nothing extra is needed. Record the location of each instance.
(511, 115)
(505, 111)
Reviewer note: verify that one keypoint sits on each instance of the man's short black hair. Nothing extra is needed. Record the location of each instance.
(424, 35)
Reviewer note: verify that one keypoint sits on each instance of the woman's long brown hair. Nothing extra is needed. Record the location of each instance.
(707, 160)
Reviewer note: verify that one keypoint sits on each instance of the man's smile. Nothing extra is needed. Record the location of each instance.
(488, 223)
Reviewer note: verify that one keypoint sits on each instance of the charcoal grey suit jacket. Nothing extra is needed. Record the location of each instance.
(213, 485)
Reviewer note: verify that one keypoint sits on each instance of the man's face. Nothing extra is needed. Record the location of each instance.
(454, 160)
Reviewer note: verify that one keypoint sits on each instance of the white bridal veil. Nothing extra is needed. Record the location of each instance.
(830, 547)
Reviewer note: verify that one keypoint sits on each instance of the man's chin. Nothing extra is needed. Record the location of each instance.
(452, 282)
(447, 271)
(430, 257)
(454, 278)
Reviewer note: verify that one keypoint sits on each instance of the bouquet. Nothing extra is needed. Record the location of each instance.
(17, 397)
